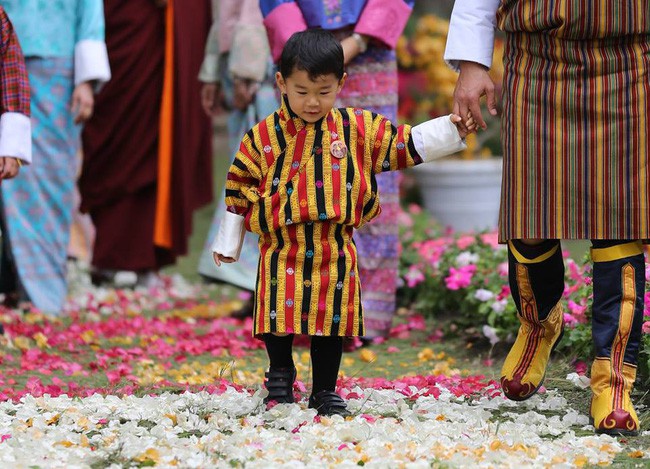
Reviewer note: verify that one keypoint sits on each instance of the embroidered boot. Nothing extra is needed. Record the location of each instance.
(619, 287)
(536, 275)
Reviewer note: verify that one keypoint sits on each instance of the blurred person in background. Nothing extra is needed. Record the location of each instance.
(368, 31)
(237, 76)
(147, 149)
(65, 53)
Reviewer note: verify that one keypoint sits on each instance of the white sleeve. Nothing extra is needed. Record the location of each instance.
(436, 138)
(471, 32)
(230, 237)
(91, 62)
(16, 136)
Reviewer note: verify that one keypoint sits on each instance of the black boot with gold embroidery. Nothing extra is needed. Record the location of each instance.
(537, 282)
(619, 287)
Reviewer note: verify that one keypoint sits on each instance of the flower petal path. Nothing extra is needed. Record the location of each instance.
(164, 378)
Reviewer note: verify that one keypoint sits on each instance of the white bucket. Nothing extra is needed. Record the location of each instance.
(462, 194)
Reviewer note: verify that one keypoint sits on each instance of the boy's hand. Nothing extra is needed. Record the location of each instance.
(464, 128)
(83, 102)
(9, 167)
(218, 259)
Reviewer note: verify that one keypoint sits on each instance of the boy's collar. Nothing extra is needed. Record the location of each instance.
(294, 122)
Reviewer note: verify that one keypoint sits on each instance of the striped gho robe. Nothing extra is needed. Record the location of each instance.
(576, 96)
(303, 188)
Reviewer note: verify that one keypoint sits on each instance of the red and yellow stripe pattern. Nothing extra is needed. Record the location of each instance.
(304, 202)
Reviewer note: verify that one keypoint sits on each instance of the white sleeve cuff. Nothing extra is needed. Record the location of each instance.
(471, 32)
(209, 72)
(436, 138)
(91, 62)
(230, 237)
(16, 136)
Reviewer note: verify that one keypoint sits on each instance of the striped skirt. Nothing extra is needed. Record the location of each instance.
(575, 138)
(308, 282)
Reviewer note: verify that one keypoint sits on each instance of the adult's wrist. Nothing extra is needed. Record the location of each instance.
(362, 42)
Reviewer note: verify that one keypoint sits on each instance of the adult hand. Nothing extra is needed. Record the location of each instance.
(243, 93)
(473, 83)
(83, 102)
(9, 167)
(211, 98)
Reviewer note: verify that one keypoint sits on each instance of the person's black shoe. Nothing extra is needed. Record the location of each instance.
(246, 311)
(279, 382)
(328, 403)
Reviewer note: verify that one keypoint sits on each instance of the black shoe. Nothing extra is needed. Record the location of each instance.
(279, 382)
(245, 311)
(328, 403)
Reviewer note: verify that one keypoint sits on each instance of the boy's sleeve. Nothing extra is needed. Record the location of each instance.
(395, 148)
(241, 186)
(15, 124)
(384, 20)
(282, 18)
(90, 54)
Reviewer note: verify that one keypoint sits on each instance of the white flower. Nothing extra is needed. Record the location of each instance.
(491, 334)
(466, 258)
(499, 306)
(483, 294)
(580, 381)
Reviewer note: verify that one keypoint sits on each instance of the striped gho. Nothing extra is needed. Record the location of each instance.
(536, 275)
(619, 287)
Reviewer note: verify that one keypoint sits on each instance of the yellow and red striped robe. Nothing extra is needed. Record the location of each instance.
(304, 203)
(575, 131)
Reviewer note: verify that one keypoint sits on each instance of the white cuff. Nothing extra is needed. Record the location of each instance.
(230, 237)
(436, 138)
(471, 32)
(209, 72)
(91, 62)
(16, 136)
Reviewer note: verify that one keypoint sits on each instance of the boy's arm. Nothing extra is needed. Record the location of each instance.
(396, 148)
(90, 54)
(243, 178)
(15, 124)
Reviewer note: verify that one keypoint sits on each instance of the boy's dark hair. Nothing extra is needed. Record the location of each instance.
(315, 51)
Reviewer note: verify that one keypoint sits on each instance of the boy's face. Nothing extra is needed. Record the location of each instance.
(311, 100)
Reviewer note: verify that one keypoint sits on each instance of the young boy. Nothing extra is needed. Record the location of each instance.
(302, 180)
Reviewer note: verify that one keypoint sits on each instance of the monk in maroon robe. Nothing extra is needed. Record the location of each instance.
(150, 107)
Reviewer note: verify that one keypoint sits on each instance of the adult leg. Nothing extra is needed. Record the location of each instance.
(619, 288)
(536, 275)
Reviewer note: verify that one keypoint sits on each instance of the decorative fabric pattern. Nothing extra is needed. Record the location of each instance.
(575, 132)
(38, 202)
(14, 85)
(304, 202)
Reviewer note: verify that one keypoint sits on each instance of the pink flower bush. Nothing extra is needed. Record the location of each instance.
(467, 274)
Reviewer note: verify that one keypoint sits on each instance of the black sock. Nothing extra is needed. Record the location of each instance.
(326, 353)
(279, 349)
